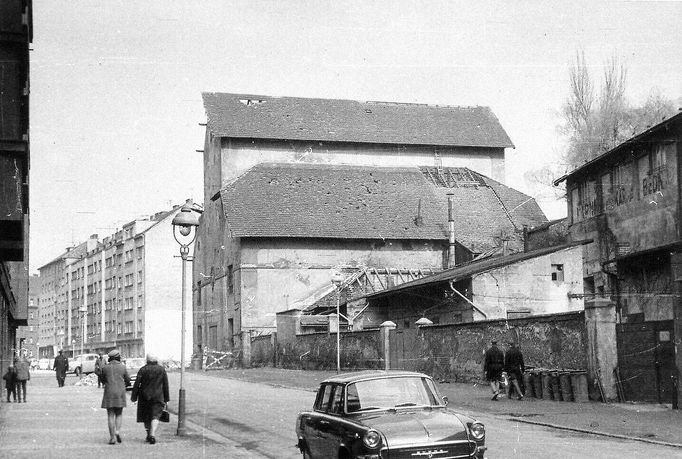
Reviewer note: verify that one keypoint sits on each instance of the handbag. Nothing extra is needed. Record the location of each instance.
(165, 416)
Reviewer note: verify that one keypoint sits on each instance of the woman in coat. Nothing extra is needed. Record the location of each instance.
(151, 392)
(115, 378)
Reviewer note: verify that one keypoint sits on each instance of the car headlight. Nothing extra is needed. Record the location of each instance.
(477, 430)
(371, 439)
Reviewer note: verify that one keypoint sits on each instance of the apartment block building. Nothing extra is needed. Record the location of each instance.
(123, 291)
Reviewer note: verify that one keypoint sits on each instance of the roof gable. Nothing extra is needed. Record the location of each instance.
(358, 202)
(335, 120)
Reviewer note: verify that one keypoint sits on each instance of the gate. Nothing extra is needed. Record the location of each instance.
(646, 360)
(404, 349)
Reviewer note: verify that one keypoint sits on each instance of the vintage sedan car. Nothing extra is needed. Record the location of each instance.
(386, 414)
(133, 365)
(82, 364)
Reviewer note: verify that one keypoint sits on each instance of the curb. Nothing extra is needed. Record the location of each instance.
(594, 432)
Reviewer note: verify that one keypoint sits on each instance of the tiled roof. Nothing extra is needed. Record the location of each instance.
(334, 120)
(359, 202)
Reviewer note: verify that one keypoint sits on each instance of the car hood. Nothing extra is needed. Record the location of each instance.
(404, 427)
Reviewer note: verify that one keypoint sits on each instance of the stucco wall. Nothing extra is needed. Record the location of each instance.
(163, 294)
(280, 275)
(528, 285)
(317, 351)
(455, 352)
(240, 155)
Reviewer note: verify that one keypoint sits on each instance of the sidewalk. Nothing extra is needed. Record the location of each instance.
(644, 422)
(68, 422)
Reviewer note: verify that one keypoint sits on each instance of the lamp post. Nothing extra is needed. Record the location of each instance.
(184, 224)
(83, 310)
(337, 280)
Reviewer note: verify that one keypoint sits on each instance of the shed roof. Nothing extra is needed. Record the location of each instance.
(359, 202)
(336, 120)
(476, 267)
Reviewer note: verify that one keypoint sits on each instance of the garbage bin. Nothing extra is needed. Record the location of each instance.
(196, 363)
(528, 384)
(565, 383)
(547, 385)
(556, 388)
(579, 383)
(537, 383)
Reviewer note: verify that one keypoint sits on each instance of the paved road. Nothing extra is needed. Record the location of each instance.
(239, 419)
(260, 418)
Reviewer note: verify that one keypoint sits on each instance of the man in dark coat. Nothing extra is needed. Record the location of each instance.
(151, 392)
(514, 366)
(23, 376)
(99, 363)
(493, 364)
(10, 378)
(61, 365)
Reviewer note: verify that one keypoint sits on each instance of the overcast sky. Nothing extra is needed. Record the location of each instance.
(116, 85)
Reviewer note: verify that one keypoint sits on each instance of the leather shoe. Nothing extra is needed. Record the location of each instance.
(152, 440)
(118, 438)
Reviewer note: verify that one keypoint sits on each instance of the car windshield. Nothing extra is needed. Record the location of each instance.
(389, 393)
(135, 363)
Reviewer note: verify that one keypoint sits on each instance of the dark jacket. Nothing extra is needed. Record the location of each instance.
(61, 365)
(115, 378)
(151, 384)
(513, 361)
(10, 378)
(22, 369)
(494, 362)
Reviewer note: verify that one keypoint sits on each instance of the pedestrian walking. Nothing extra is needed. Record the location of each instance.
(493, 364)
(23, 376)
(115, 378)
(10, 378)
(60, 366)
(151, 393)
(99, 363)
(514, 366)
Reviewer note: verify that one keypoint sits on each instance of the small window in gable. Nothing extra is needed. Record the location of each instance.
(558, 273)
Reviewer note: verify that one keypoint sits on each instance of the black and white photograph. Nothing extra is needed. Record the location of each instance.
(349, 229)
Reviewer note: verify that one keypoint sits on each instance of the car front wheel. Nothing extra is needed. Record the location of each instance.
(78, 371)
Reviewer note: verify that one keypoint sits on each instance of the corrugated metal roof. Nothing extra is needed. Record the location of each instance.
(361, 202)
(475, 267)
(336, 120)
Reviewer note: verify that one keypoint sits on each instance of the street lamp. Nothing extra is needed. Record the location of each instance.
(337, 280)
(184, 224)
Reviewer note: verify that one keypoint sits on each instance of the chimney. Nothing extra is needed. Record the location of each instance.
(451, 231)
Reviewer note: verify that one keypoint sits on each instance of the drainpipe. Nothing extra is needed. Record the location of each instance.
(451, 231)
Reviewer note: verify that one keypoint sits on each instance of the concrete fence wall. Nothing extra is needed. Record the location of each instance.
(455, 352)
(317, 351)
(447, 352)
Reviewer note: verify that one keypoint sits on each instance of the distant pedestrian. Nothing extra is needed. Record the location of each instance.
(99, 363)
(10, 378)
(115, 378)
(151, 392)
(492, 366)
(514, 366)
(23, 376)
(60, 366)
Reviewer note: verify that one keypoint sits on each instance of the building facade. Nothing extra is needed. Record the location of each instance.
(628, 202)
(121, 292)
(16, 34)
(337, 185)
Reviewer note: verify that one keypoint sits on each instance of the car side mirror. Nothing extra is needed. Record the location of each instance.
(445, 399)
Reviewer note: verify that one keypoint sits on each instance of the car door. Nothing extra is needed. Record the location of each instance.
(314, 424)
(331, 429)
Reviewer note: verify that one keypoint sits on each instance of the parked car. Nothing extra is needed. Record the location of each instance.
(34, 364)
(386, 414)
(82, 364)
(45, 364)
(133, 365)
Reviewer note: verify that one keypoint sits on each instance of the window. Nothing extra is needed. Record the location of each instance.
(558, 273)
(139, 277)
(140, 301)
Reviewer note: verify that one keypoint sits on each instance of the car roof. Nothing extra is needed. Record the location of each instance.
(346, 378)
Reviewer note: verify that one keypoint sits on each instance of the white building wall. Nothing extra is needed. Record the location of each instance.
(528, 285)
(163, 294)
